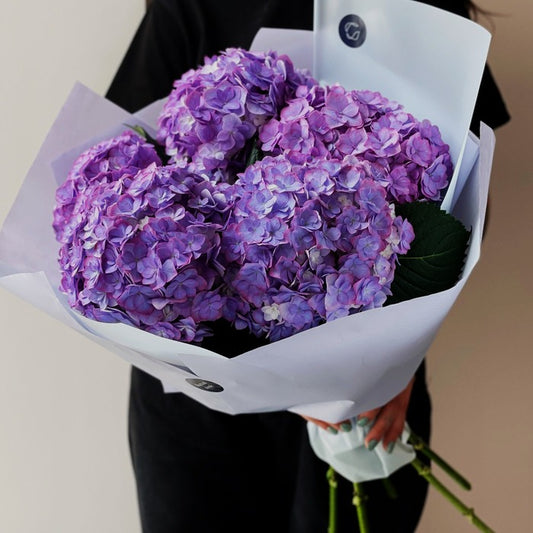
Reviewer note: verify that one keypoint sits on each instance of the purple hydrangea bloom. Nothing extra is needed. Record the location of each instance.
(140, 240)
(102, 164)
(325, 262)
(214, 110)
(384, 142)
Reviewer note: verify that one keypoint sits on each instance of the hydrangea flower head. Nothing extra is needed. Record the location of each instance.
(214, 111)
(138, 240)
(316, 263)
(408, 157)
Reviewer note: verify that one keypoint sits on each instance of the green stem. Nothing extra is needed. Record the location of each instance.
(359, 500)
(419, 444)
(331, 476)
(390, 489)
(425, 472)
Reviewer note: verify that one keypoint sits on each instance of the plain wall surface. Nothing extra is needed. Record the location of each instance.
(481, 365)
(64, 460)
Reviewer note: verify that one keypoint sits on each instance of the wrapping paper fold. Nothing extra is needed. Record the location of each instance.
(331, 372)
(347, 454)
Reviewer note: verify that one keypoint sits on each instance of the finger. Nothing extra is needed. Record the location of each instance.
(321, 423)
(367, 417)
(381, 426)
(390, 421)
(344, 425)
(393, 433)
(400, 404)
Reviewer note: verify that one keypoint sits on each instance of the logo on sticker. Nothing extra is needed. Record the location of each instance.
(352, 31)
(202, 384)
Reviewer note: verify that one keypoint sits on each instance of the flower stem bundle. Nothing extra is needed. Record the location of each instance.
(360, 497)
(426, 473)
(419, 445)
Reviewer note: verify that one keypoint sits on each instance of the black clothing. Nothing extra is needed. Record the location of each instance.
(199, 470)
(175, 36)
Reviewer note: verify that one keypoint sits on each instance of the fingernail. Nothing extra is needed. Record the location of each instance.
(346, 426)
(390, 447)
(372, 444)
(332, 430)
(362, 421)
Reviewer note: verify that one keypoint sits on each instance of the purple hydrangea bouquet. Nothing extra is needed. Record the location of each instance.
(257, 197)
(306, 233)
(270, 201)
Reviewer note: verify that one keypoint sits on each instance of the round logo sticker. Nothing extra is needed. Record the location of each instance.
(352, 31)
(202, 384)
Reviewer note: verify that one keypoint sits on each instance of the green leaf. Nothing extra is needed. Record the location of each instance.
(139, 130)
(436, 258)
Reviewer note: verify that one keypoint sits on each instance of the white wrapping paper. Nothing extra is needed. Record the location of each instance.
(331, 372)
(347, 454)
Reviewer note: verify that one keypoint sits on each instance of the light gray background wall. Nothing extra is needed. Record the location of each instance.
(64, 464)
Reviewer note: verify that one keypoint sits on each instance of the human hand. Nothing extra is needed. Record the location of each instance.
(386, 423)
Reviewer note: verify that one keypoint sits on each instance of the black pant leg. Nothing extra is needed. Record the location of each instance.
(199, 470)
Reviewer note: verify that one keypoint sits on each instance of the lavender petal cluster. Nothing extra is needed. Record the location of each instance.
(100, 165)
(408, 157)
(214, 111)
(137, 240)
(308, 243)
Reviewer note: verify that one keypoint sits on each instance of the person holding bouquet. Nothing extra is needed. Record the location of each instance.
(202, 470)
